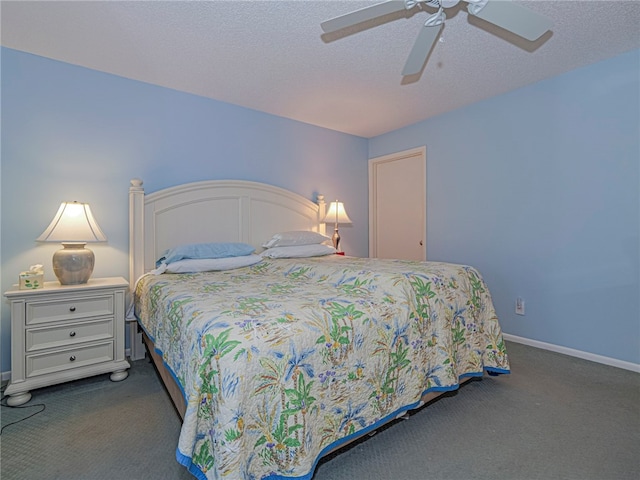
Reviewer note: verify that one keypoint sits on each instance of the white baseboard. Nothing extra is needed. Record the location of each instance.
(634, 367)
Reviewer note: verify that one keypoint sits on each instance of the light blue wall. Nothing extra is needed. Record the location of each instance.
(70, 133)
(538, 188)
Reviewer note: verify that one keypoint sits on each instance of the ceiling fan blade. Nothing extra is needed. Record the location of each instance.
(362, 15)
(513, 17)
(421, 48)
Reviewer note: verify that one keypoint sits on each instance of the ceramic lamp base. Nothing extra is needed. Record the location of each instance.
(335, 238)
(73, 265)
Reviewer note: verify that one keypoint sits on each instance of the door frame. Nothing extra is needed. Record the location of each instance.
(373, 163)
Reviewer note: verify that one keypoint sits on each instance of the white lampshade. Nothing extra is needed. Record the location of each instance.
(74, 222)
(337, 214)
(73, 226)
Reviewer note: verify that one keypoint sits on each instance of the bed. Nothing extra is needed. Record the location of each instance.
(277, 363)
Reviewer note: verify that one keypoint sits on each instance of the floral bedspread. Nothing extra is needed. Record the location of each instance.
(285, 360)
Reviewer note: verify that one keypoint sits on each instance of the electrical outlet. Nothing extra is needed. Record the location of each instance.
(519, 306)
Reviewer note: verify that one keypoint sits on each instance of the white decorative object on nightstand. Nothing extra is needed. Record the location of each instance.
(66, 332)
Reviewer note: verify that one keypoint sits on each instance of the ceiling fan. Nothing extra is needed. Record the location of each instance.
(505, 14)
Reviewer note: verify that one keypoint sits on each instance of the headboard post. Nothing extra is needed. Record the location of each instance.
(136, 230)
(136, 258)
(322, 207)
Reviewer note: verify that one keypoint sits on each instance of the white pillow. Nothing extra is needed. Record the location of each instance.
(295, 237)
(298, 251)
(194, 265)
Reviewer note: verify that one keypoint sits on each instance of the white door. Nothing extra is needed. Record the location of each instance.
(398, 205)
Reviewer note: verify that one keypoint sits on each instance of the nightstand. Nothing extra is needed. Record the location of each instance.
(66, 332)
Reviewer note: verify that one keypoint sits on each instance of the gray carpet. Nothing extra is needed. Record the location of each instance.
(554, 417)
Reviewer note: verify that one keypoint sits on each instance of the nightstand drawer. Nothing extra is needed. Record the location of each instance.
(68, 309)
(70, 334)
(68, 359)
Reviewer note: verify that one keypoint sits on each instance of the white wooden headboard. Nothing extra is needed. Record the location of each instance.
(211, 211)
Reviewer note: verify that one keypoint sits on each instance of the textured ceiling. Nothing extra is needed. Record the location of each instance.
(272, 56)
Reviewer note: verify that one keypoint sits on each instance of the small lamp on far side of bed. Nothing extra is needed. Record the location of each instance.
(336, 215)
(73, 226)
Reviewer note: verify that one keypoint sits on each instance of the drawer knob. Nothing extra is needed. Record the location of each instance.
(72, 309)
(72, 358)
(72, 334)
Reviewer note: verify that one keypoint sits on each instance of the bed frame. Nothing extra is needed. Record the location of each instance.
(210, 211)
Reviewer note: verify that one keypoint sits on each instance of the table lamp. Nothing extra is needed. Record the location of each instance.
(336, 215)
(73, 226)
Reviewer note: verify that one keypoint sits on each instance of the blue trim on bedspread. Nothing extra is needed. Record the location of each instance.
(187, 462)
(343, 441)
(463, 314)
(165, 364)
(182, 459)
